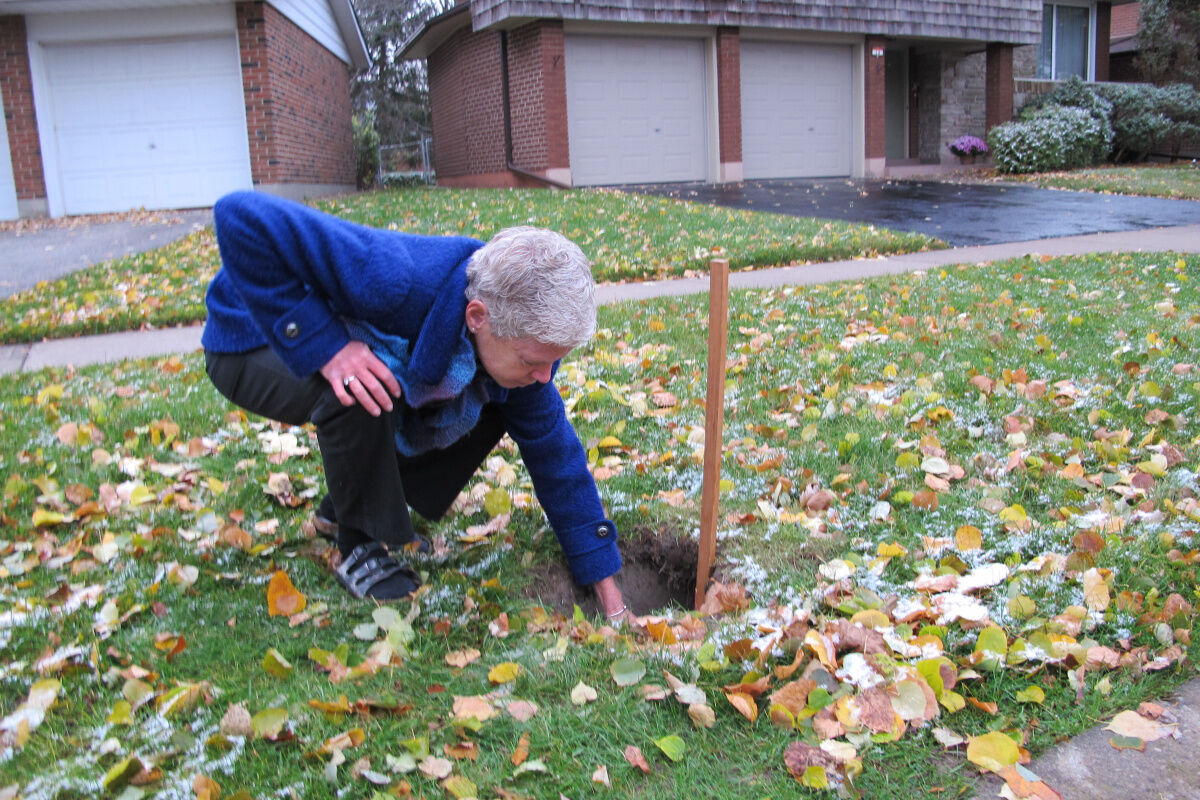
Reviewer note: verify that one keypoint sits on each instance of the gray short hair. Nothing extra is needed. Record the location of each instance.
(536, 284)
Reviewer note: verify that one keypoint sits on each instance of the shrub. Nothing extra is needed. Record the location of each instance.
(1072, 93)
(1057, 137)
(366, 150)
(1148, 118)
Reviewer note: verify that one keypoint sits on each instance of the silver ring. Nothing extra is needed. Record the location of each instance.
(346, 381)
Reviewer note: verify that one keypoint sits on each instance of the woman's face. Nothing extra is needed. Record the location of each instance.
(512, 363)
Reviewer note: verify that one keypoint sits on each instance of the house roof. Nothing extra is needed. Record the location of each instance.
(436, 30)
(1011, 22)
(343, 15)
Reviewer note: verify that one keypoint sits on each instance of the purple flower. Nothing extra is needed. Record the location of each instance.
(968, 146)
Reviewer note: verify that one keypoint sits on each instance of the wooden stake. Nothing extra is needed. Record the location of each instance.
(714, 419)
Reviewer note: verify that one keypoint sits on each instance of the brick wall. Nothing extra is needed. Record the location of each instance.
(729, 94)
(537, 88)
(1125, 20)
(875, 92)
(467, 106)
(999, 84)
(17, 89)
(297, 102)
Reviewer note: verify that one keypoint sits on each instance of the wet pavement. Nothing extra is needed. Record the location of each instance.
(961, 214)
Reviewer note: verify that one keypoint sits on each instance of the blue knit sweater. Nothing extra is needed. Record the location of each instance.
(290, 273)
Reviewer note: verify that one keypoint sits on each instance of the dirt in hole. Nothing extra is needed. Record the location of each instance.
(659, 572)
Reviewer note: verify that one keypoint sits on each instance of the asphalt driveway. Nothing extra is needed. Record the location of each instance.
(960, 214)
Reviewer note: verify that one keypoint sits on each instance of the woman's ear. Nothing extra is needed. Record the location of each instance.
(476, 315)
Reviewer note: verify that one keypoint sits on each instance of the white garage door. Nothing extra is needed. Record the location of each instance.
(796, 112)
(154, 124)
(635, 109)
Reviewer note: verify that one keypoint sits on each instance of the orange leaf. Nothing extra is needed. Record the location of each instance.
(1023, 787)
(284, 599)
(925, 499)
(990, 708)
(205, 788)
(633, 755)
(522, 752)
(661, 631)
(744, 703)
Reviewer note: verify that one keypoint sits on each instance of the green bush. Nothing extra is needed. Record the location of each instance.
(1073, 93)
(1056, 137)
(1148, 118)
(366, 150)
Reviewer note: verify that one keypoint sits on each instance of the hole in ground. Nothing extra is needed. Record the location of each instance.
(659, 572)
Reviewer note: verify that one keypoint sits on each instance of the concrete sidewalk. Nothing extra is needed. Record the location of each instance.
(86, 350)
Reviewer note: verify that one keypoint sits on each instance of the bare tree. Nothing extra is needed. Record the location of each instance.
(394, 93)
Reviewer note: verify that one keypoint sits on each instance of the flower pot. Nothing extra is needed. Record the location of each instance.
(967, 159)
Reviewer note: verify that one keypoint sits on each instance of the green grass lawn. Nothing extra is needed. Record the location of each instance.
(1179, 181)
(955, 504)
(628, 237)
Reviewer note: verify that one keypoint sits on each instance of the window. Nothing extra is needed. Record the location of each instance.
(1066, 43)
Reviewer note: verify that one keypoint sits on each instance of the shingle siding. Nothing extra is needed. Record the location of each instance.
(1015, 22)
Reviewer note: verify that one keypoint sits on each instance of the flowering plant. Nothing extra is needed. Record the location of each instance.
(968, 146)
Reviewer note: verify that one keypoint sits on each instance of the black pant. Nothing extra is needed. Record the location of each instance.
(371, 485)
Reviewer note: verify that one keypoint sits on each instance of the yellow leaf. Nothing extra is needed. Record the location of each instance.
(1031, 694)
(1013, 513)
(459, 787)
(283, 599)
(504, 673)
(993, 751)
(43, 517)
(890, 550)
(609, 441)
(968, 537)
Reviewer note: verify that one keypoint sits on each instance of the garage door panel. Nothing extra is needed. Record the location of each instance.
(148, 124)
(796, 114)
(635, 109)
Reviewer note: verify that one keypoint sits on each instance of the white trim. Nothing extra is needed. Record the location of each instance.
(91, 26)
(713, 111)
(858, 110)
(316, 18)
(1090, 57)
(8, 185)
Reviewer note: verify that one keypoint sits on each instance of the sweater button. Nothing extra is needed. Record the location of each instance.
(292, 330)
(604, 530)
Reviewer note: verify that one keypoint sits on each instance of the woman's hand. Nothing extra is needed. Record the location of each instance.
(613, 602)
(358, 376)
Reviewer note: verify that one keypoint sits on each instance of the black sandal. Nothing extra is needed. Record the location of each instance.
(325, 524)
(367, 566)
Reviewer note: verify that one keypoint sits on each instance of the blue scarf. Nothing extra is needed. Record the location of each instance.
(428, 416)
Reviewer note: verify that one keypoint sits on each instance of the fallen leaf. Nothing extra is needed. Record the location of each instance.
(633, 755)
(283, 599)
(1133, 724)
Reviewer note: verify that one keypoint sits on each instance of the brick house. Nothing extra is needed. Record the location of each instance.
(109, 107)
(595, 92)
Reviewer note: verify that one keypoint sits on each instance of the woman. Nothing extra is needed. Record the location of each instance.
(412, 356)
